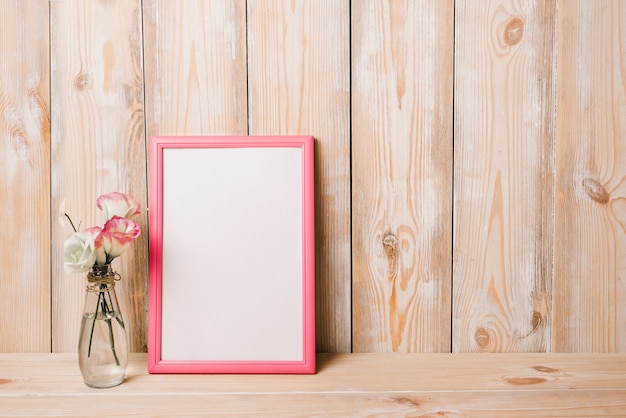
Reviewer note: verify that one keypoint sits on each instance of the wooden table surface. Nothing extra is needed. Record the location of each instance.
(345, 385)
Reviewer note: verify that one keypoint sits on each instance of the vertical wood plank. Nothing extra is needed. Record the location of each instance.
(195, 67)
(590, 225)
(24, 177)
(402, 72)
(503, 145)
(97, 147)
(299, 83)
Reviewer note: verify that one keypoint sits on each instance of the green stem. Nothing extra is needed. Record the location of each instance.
(111, 338)
(106, 311)
(71, 223)
(117, 317)
(93, 324)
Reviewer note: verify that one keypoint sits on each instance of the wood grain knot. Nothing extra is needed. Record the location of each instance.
(482, 338)
(537, 320)
(82, 82)
(5, 381)
(37, 104)
(525, 380)
(390, 243)
(20, 143)
(513, 31)
(546, 369)
(407, 401)
(596, 191)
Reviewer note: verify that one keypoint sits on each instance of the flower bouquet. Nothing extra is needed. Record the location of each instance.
(102, 348)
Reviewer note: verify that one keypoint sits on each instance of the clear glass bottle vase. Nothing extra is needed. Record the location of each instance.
(102, 346)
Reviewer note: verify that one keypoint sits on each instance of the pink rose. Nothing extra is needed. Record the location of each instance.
(118, 204)
(116, 236)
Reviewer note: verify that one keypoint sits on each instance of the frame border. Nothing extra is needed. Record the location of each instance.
(155, 363)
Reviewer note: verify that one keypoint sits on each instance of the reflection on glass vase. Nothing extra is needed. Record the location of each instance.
(102, 346)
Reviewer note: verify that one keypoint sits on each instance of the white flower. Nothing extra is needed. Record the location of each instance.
(79, 253)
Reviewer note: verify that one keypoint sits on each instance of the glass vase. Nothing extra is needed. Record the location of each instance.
(102, 346)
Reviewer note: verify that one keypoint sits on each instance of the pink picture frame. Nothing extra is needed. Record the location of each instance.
(231, 286)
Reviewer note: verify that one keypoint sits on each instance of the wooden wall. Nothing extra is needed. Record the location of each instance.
(470, 157)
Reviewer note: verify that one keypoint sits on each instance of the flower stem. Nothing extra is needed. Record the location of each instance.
(111, 338)
(106, 312)
(93, 324)
(117, 317)
(71, 223)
